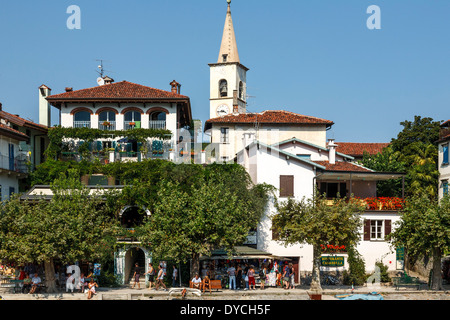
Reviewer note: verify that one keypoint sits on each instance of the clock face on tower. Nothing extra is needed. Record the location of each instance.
(222, 110)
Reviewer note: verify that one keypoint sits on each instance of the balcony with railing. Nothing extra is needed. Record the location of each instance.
(107, 125)
(129, 125)
(157, 124)
(377, 203)
(81, 124)
(16, 164)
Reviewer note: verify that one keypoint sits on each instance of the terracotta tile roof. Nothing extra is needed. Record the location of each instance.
(342, 166)
(4, 129)
(15, 119)
(270, 117)
(120, 90)
(358, 149)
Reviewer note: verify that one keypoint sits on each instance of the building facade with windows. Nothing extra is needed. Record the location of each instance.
(443, 159)
(14, 164)
(124, 106)
(297, 169)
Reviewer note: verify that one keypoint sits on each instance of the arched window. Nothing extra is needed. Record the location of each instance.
(107, 120)
(223, 88)
(241, 90)
(157, 120)
(82, 119)
(132, 120)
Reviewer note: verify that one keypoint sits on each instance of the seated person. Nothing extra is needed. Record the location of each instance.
(26, 283)
(206, 283)
(35, 282)
(92, 285)
(196, 282)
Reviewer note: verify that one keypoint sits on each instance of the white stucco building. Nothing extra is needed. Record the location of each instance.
(13, 161)
(443, 160)
(123, 106)
(295, 168)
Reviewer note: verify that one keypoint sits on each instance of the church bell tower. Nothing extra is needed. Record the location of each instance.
(228, 77)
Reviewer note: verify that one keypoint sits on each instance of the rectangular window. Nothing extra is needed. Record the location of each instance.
(286, 186)
(224, 135)
(445, 187)
(445, 153)
(376, 230)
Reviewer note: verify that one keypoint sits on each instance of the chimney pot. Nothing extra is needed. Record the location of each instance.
(176, 87)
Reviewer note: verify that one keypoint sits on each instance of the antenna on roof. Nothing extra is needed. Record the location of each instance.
(101, 71)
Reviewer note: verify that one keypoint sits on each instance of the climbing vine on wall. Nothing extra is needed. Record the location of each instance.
(58, 135)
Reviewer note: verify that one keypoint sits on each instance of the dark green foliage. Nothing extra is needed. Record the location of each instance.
(356, 275)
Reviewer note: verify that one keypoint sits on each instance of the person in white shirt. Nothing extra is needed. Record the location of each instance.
(196, 282)
(35, 282)
(174, 276)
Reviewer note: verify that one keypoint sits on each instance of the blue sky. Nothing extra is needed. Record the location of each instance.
(312, 57)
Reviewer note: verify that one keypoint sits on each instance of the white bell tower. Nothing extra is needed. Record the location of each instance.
(228, 77)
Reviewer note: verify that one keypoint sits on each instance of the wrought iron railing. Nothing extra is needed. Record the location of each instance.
(157, 124)
(81, 124)
(107, 125)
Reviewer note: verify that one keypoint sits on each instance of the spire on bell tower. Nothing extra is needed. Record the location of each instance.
(228, 77)
(228, 48)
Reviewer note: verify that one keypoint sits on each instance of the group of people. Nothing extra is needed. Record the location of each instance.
(237, 275)
(82, 283)
(153, 274)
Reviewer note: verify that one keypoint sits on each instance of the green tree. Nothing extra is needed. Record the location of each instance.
(193, 216)
(415, 152)
(315, 222)
(71, 226)
(424, 230)
(386, 161)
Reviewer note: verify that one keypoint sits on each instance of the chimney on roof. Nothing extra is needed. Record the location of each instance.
(332, 151)
(108, 80)
(1, 106)
(44, 106)
(69, 89)
(176, 87)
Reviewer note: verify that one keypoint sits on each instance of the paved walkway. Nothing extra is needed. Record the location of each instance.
(300, 293)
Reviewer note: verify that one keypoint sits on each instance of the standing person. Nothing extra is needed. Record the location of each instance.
(232, 277)
(151, 275)
(137, 275)
(263, 275)
(286, 277)
(174, 276)
(160, 278)
(92, 285)
(238, 277)
(251, 278)
(246, 276)
(291, 268)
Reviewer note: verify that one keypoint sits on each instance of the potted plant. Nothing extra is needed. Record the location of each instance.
(106, 124)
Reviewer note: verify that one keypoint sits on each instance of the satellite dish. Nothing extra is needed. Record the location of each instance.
(100, 81)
